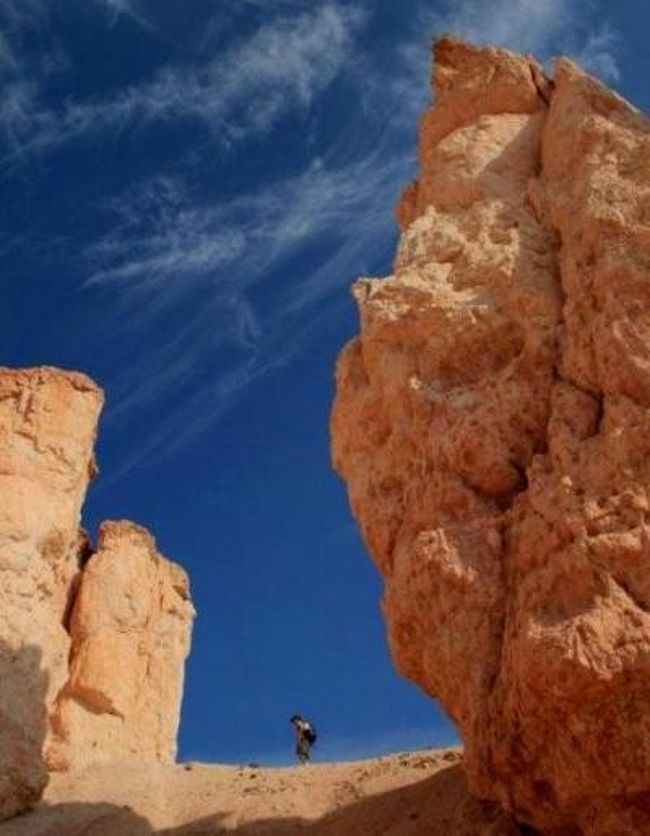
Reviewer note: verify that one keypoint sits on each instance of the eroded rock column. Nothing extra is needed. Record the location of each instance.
(491, 425)
(47, 433)
(572, 705)
(444, 398)
(130, 629)
(92, 645)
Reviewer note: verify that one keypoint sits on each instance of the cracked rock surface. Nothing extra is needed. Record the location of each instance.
(491, 422)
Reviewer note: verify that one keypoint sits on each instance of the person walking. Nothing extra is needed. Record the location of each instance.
(305, 737)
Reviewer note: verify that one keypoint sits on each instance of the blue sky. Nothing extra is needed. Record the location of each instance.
(189, 188)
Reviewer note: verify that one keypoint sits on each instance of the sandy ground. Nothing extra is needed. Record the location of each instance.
(418, 793)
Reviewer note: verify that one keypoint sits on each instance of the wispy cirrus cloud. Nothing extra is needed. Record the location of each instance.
(231, 264)
(162, 231)
(7, 56)
(16, 18)
(599, 52)
(263, 5)
(168, 244)
(525, 25)
(126, 8)
(542, 27)
(17, 13)
(282, 66)
(219, 259)
(545, 28)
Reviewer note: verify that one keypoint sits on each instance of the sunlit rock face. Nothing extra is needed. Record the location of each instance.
(130, 630)
(91, 646)
(48, 421)
(492, 425)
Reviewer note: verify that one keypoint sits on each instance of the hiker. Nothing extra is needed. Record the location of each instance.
(305, 736)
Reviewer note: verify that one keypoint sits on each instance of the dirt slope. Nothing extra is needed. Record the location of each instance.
(410, 794)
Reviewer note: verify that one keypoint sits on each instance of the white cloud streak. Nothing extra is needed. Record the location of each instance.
(165, 237)
(17, 17)
(599, 53)
(545, 28)
(542, 27)
(166, 250)
(244, 92)
(172, 246)
(168, 246)
(127, 8)
(7, 56)
(524, 25)
(16, 13)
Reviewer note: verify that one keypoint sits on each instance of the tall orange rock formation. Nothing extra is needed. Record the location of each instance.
(91, 646)
(129, 631)
(492, 424)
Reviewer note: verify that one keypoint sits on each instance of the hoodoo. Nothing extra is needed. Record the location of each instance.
(492, 424)
(92, 645)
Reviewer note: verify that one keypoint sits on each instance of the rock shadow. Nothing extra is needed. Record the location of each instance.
(439, 805)
(23, 725)
(23, 774)
(78, 819)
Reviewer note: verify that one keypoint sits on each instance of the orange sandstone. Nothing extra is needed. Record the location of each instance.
(491, 422)
(91, 647)
(47, 432)
(130, 637)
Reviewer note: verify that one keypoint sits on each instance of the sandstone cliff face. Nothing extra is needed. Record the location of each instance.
(492, 425)
(79, 638)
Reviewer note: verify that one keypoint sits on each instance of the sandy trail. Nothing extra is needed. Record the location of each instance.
(417, 793)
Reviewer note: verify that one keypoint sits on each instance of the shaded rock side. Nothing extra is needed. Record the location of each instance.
(492, 425)
(130, 629)
(48, 421)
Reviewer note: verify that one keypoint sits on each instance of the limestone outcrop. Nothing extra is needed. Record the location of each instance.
(492, 424)
(91, 646)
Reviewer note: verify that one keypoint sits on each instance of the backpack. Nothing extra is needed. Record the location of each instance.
(311, 734)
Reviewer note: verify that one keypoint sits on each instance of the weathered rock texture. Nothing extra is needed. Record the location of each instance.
(73, 631)
(47, 432)
(492, 423)
(130, 638)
